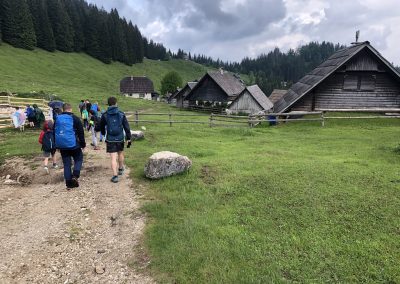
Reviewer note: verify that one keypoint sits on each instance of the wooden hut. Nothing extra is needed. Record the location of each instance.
(251, 100)
(355, 78)
(216, 88)
(137, 87)
(179, 99)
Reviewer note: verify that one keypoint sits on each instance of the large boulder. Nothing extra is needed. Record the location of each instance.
(137, 135)
(165, 164)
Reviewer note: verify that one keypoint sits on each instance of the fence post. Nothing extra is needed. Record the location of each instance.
(211, 120)
(323, 119)
(250, 121)
(9, 100)
(136, 118)
(170, 119)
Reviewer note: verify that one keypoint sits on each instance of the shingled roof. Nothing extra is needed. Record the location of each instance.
(229, 83)
(319, 74)
(136, 85)
(276, 95)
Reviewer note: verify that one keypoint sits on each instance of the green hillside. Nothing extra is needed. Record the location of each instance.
(74, 76)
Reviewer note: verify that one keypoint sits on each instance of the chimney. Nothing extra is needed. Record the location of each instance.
(131, 78)
(221, 70)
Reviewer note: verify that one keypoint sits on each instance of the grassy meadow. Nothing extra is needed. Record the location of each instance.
(286, 204)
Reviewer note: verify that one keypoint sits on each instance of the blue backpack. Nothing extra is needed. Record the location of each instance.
(48, 144)
(64, 132)
(115, 131)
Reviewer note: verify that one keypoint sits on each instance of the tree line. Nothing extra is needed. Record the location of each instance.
(75, 26)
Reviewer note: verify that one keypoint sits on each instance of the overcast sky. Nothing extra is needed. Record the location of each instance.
(233, 29)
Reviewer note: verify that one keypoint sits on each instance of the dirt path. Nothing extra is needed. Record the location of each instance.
(87, 235)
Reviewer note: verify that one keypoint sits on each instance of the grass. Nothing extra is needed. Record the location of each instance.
(73, 76)
(293, 203)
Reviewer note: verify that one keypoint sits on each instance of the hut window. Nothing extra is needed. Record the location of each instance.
(350, 82)
(141, 96)
(368, 83)
(359, 82)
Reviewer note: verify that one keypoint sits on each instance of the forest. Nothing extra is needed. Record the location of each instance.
(75, 26)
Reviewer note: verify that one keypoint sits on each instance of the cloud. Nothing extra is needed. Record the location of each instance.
(233, 29)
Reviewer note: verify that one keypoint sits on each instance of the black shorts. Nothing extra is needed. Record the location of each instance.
(48, 154)
(115, 147)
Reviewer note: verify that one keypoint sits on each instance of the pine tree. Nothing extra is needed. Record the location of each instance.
(118, 39)
(62, 25)
(41, 22)
(75, 13)
(17, 25)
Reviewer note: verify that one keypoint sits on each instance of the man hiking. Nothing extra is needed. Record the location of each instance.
(70, 139)
(115, 122)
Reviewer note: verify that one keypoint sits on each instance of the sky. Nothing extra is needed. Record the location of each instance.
(234, 29)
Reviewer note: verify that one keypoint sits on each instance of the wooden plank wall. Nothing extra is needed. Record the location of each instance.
(331, 95)
(245, 104)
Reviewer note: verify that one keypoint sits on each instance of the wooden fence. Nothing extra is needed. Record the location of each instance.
(7, 101)
(221, 120)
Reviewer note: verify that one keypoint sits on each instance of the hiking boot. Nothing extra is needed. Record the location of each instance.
(55, 166)
(114, 179)
(69, 185)
(46, 169)
(121, 171)
(74, 182)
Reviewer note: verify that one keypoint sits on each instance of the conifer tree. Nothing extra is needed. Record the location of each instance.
(41, 23)
(118, 39)
(17, 26)
(62, 25)
(75, 13)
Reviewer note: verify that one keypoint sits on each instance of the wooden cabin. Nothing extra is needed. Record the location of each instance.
(355, 78)
(137, 87)
(216, 88)
(179, 99)
(252, 100)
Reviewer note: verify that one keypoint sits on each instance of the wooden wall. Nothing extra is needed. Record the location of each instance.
(245, 104)
(180, 98)
(208, 90)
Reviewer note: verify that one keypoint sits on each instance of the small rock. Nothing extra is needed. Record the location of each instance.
(8, 176)
(101, 251)
(165, 164)
(137, 135)
(100, 268)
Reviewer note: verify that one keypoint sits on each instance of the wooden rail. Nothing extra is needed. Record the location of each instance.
(22, 102)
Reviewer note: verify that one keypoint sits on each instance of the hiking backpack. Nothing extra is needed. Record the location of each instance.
(64, 132)
(48, 141)
(30, 112)
(115, 131)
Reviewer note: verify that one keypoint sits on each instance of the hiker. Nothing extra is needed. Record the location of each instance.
(85, 117)
(46, 138)
(18, 118)
(94, 108)
(39, 116)
(70, 139)
(80, 106)
(30, 114)
(94, 128)
(115, 122)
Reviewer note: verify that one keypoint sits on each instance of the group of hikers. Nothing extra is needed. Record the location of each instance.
(33, 113)
(66, 134)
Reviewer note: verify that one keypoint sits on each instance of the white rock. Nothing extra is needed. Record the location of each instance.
(165, 164)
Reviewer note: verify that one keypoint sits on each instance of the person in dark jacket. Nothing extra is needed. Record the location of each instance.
(70, 140)
(115, 122)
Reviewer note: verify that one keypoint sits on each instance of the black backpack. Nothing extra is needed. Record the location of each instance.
(48, 144)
